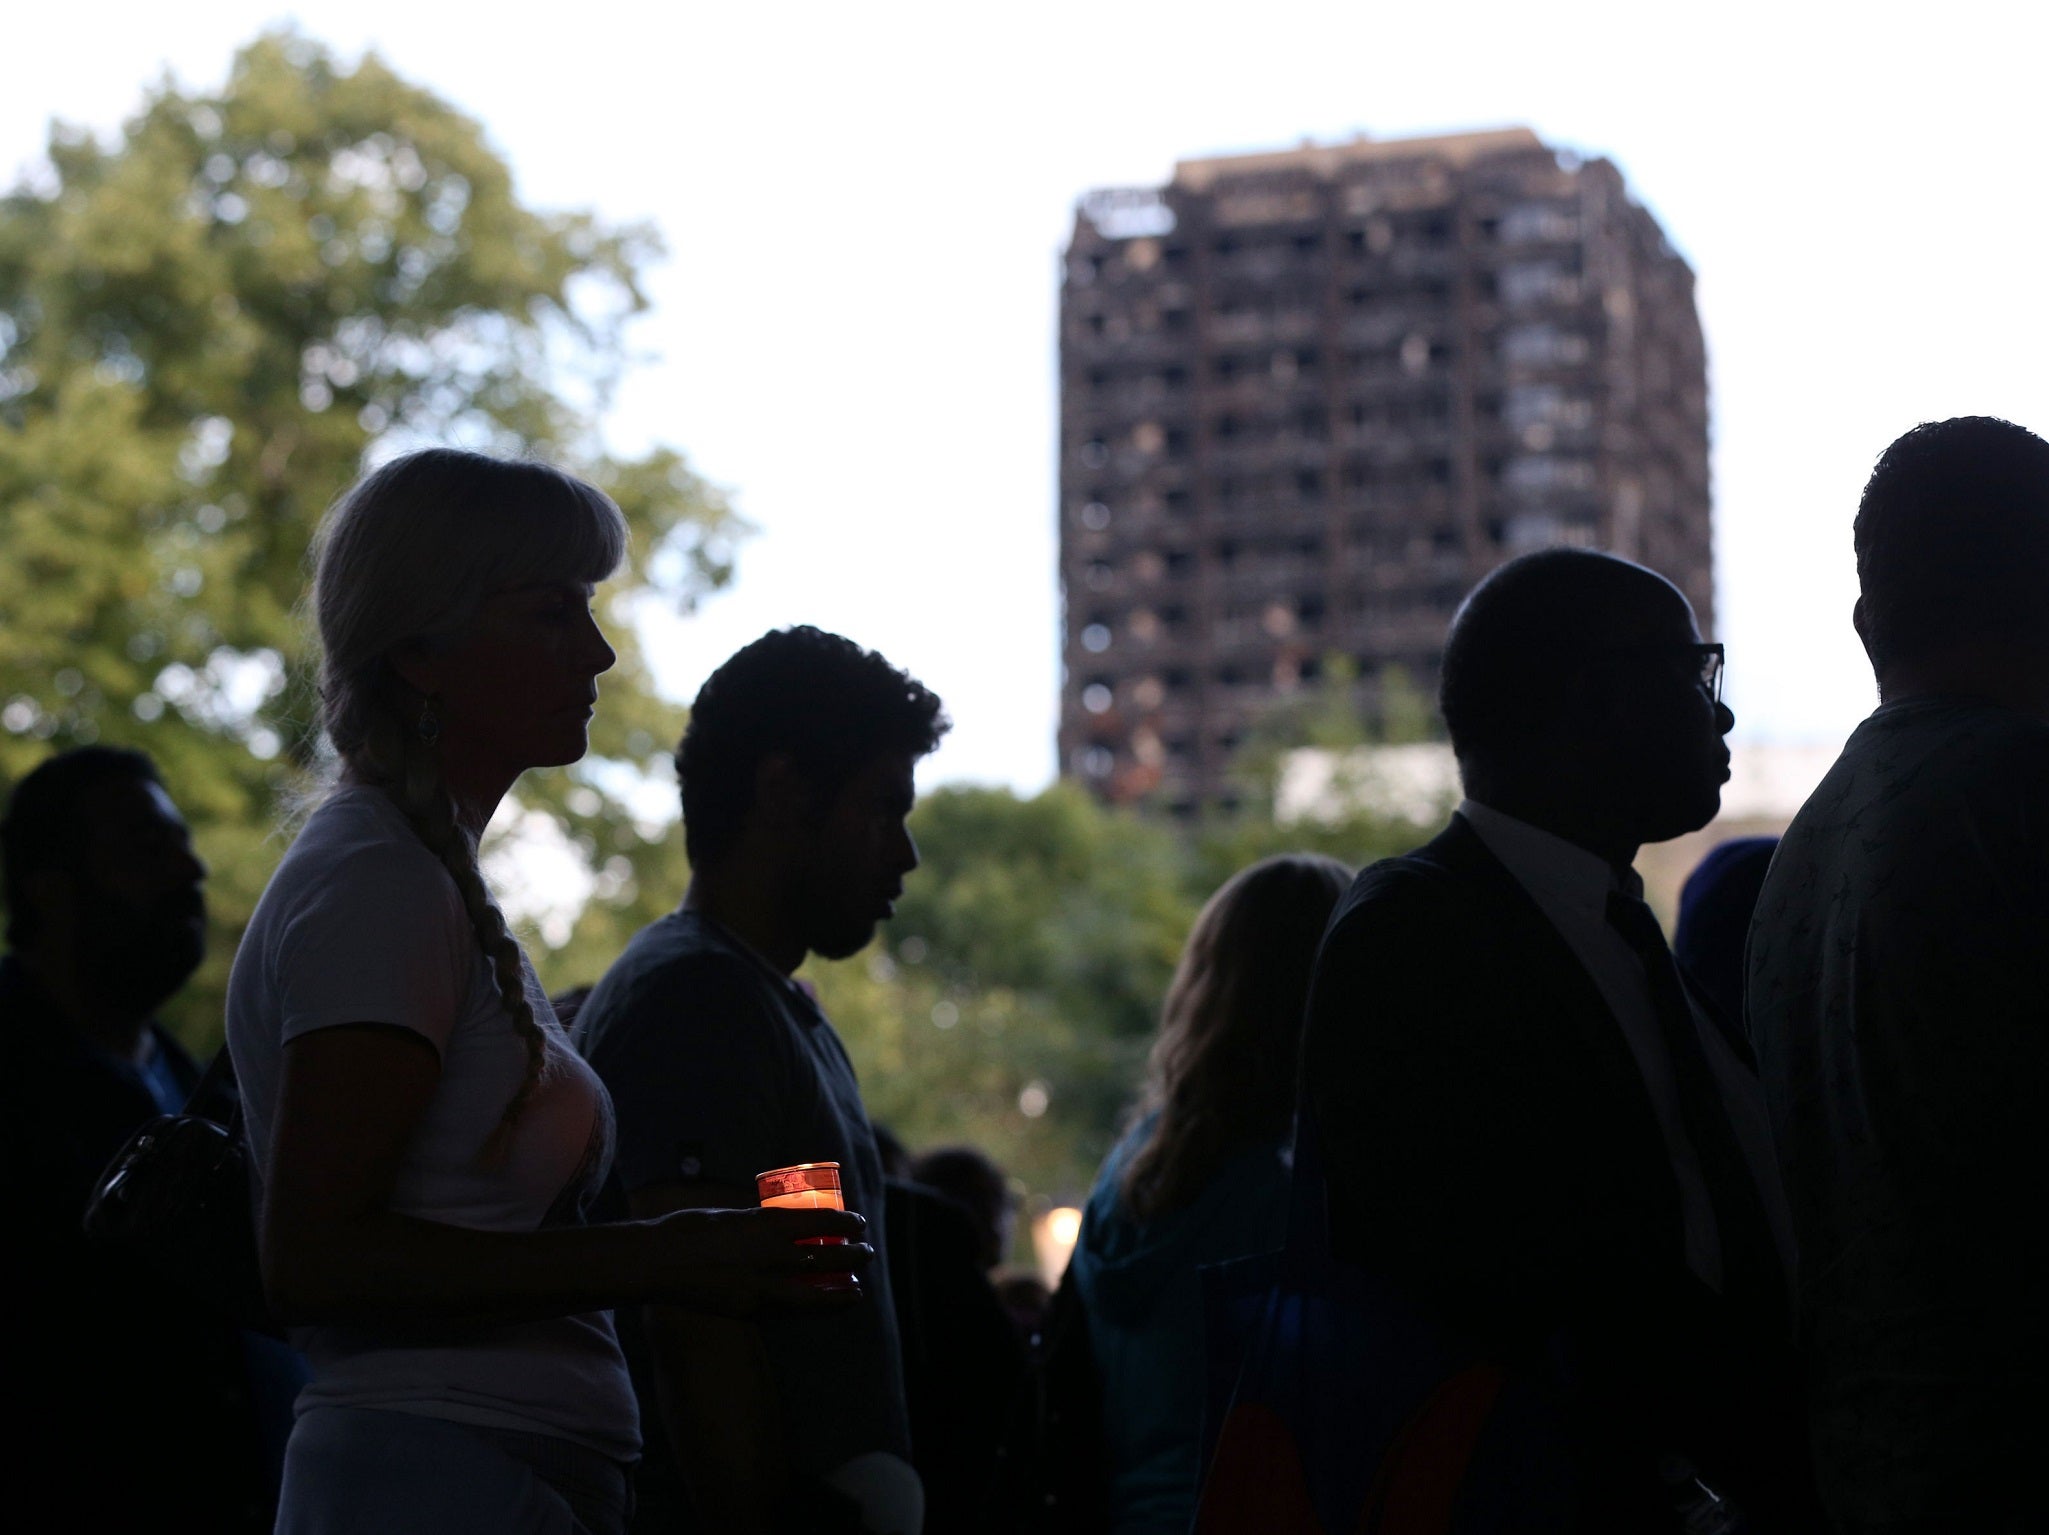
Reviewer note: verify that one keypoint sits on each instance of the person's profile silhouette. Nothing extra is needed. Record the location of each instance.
(1548, 1146)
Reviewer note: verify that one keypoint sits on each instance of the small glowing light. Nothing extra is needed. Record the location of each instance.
(1033, 1101)
(1053, 1237)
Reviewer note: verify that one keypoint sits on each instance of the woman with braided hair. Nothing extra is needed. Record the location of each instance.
(426, 1141)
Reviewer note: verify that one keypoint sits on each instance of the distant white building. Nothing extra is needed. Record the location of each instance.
(1768, 782)
(1410, 783)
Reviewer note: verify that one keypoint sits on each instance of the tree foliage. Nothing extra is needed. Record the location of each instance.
(1339, 713)
(1012, 1001)
(207, 325)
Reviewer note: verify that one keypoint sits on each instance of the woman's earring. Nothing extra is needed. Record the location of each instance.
(429, 727)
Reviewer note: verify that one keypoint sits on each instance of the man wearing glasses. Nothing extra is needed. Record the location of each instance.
(1545, 1141)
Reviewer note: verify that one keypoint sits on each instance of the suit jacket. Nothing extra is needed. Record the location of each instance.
(1493, 1149)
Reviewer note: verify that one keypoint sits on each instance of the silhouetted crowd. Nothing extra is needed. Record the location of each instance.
(1454, 1198)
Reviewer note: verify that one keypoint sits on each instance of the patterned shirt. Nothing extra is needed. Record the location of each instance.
(1897, 1002)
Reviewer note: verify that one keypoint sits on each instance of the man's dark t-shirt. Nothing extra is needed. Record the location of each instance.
(720, 1068)
(1899, 1005)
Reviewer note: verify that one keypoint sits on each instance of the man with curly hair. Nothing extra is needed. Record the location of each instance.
(796, 775)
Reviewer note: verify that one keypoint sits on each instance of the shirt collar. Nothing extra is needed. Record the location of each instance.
(1560, 874)
(798, 991)
(36, 1024)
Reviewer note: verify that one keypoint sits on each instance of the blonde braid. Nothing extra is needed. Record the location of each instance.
(405, 768)
(404, 559)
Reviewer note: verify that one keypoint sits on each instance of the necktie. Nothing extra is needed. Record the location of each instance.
(1750, 1264)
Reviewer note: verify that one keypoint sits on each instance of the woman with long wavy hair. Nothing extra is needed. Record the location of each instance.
(1201, 1177)
(425, 1139)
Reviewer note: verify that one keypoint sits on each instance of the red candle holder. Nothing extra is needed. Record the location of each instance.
(806, 1186)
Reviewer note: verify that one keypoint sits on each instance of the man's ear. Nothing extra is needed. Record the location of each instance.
(51, 893)
(782, 798)
(1860, 624)
(1585, 698)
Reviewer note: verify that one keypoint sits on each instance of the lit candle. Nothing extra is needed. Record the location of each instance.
(806, 1186)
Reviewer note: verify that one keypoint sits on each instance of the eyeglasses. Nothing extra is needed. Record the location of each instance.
(1709, 660)
(1704, 661)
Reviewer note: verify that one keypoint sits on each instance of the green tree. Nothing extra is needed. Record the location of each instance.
(1052, 895)
(1346, 718)
(1339, 713)
(1018, 987)
(207, 324)
(1013, 999)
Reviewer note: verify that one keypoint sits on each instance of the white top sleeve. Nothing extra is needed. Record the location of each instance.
(383, 939)
(362, 924)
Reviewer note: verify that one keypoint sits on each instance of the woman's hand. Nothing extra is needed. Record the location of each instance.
(334, 1252)
(749, 1263)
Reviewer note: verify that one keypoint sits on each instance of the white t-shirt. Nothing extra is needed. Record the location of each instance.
(362, 924)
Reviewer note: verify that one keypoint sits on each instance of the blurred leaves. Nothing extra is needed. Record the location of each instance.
(207, 324)
(1031, 950)
(1338, 714)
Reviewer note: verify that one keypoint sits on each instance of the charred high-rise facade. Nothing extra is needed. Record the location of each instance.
(1309, 398)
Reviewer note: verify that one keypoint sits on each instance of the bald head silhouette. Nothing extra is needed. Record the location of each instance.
(1572, 692)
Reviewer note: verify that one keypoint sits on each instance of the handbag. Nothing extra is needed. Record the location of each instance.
(176, 1197)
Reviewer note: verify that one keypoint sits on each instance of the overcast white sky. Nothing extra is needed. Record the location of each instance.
(865, 205)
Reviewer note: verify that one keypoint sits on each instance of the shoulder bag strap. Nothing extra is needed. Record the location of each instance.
(221, 1069)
